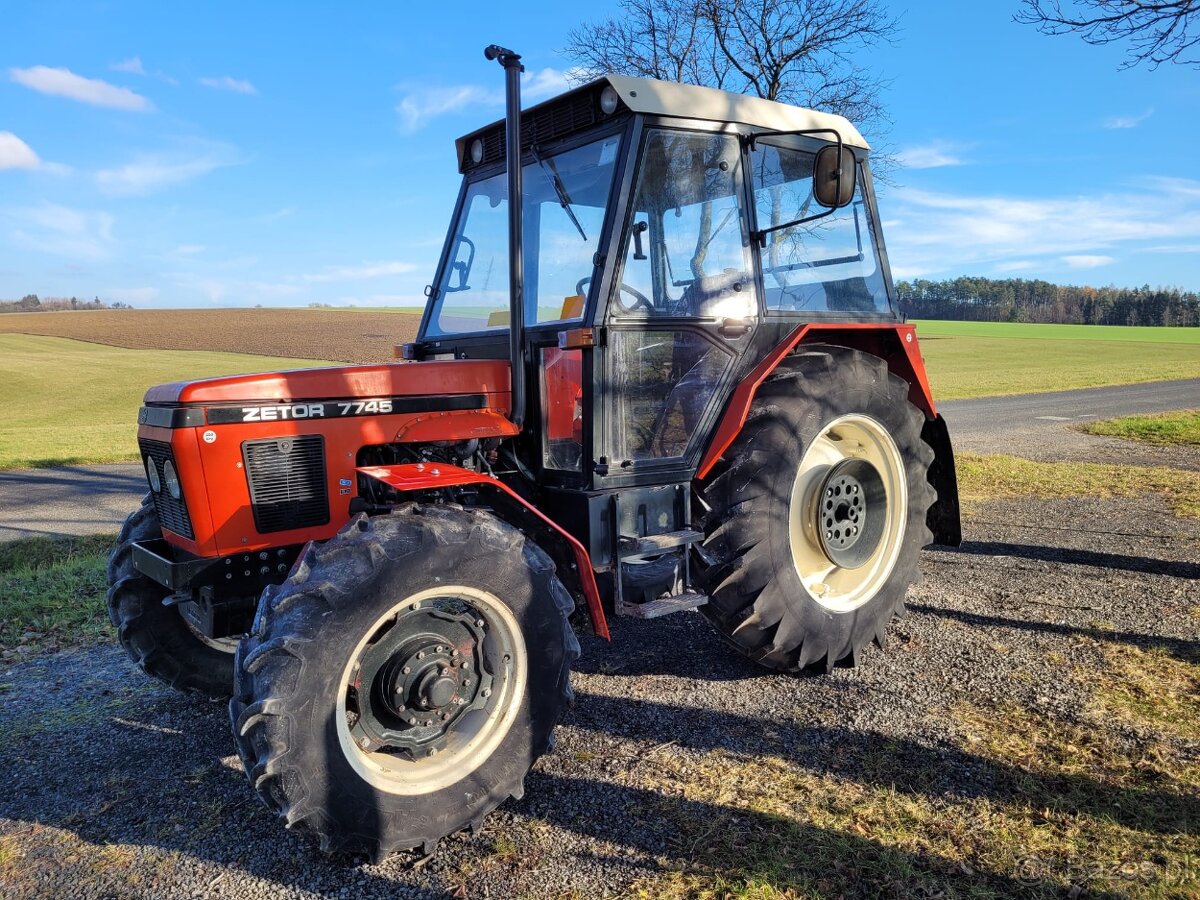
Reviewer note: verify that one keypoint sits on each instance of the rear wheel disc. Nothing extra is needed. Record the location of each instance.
(847, 512)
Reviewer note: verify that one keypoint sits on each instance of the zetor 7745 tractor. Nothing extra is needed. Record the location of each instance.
(661, 368)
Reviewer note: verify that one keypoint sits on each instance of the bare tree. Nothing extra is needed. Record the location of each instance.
(795, 51)
(1157, 32)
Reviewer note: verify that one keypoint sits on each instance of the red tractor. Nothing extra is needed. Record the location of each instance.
(661, 368)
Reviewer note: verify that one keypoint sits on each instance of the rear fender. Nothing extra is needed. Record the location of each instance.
(897, 346)
(574, 564)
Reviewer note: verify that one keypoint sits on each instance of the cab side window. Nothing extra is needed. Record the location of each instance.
(829, 264)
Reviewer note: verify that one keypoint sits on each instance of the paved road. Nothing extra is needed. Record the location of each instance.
(96, 499)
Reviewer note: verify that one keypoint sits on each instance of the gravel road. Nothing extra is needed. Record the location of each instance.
(115, 787)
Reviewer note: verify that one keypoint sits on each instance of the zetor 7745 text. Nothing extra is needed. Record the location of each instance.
(661, 368)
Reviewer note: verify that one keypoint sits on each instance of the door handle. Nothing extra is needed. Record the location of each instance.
(733, 328)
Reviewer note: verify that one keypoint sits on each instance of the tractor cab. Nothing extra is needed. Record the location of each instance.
(672, 237)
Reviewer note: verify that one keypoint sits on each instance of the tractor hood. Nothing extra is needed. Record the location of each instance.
(407, 379)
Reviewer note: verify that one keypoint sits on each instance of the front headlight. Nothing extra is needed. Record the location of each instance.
(152, 475)
(172, 479)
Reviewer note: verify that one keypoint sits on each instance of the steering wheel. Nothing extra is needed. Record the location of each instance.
(640, 300)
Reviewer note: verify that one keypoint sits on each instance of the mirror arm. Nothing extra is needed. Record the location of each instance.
(761, 234)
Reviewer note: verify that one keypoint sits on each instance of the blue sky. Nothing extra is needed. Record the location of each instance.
(170, 154)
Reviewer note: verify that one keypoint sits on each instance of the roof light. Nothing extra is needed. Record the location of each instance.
(477, 151)
(609, 100)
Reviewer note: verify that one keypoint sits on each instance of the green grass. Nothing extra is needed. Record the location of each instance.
(1023, 330)
(52, 592)
(982, 359)
(65, 401)
(1182, 427)
(997, 477)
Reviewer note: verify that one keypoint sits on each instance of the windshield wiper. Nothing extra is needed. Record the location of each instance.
(564, 199)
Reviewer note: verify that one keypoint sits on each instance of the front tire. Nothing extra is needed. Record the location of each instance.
(157, 637)
(817, 512)
(401, 682)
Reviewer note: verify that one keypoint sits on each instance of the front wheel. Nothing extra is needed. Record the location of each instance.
(159, 638)
(401, 682)
(818, 512)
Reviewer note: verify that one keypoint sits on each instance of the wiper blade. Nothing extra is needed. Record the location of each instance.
(564, 199)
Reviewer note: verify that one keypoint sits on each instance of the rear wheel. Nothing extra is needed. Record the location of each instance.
(818, 512)
(159, 638)
(401, 682)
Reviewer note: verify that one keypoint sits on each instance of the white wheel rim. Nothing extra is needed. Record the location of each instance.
(467, 749)
(839, 589)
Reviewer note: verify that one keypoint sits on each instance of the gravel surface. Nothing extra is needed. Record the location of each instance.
(114, 786)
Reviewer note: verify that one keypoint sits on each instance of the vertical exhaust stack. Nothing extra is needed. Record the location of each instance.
(511, 62)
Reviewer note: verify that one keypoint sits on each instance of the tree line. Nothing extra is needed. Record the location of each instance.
(1022, 300)
(32, 303)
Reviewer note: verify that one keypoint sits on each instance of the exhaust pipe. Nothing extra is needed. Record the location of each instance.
(511, 62)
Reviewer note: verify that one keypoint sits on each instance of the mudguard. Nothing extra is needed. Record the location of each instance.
(435, 476)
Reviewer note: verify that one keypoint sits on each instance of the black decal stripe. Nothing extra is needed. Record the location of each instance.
(226, 415)
(170, 416)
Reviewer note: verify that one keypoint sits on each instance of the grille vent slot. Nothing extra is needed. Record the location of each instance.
(542, 126)
(287, 482)
(172, 513)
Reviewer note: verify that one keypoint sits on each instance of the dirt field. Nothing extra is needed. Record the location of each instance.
(347, 336)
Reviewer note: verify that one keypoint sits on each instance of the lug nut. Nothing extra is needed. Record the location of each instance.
(439, 649)
(479, 623)
(487, 692)
(421, 654)
(407, 670)
(364, 742)
(412, 720)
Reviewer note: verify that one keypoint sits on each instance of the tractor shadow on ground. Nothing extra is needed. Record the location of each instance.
(1070, 556)
(897, 764)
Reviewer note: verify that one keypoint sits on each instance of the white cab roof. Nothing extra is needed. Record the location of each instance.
(687, 101)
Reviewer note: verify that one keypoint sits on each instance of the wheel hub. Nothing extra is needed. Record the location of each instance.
(419, 678)
(851, 512)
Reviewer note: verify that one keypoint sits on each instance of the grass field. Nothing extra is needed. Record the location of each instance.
(65, 401)
(981, 359)
(1181, 427)
(1027, 331)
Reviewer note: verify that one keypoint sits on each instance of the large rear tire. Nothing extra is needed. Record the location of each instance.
(817, 512)
(157, 637)
(400, 683)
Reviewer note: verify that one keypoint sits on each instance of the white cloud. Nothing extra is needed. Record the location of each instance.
(132, 66)
(951, 233)
(421, 104)
(360, 272)
(15, 153)
(188, 249)
(1016, 265)
(1087, 261)
(1128, 121)
(227, 83)
(62, 231)
(930, 156)
(151, 172)
(65, 83)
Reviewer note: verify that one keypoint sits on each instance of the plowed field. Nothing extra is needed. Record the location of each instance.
(348, 336)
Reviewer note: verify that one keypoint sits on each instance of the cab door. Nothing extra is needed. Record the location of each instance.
(681, 307)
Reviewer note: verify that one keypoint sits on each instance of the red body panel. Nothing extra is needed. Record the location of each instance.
(897, 344)
(426, 477)
(209, 456)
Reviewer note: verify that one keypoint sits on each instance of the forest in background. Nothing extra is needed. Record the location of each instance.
(1021, 300)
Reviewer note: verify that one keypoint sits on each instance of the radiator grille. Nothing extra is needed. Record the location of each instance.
(287, 482)
(172, 513)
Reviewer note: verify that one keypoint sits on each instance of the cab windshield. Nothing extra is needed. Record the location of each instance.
(566, 194)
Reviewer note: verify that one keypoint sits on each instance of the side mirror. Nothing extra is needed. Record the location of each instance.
(834, 172)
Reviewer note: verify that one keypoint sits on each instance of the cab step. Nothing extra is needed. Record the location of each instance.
(652, 609)
(655, 544)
